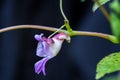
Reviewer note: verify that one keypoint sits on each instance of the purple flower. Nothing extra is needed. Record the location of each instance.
(48, 48)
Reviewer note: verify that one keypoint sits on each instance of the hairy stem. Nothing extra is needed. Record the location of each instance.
(74, 33)
(104, 11)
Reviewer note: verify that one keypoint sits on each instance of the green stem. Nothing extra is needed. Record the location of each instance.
(61, 9)
(30, 27)
(111, 38)
(66, 21)
(74, 33)
(104, 11)
(69, 29)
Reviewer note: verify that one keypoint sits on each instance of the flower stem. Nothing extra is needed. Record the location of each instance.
(104, 11)
(74, 33)
(56, 31)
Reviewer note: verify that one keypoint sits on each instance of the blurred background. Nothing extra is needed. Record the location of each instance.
(75, 61)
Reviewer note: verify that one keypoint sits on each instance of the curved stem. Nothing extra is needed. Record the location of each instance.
(66, 21)
(74, 33)
(30, 27)
(96, 34)
(61, 9)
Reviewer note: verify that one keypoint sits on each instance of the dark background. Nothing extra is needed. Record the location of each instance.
(75, 61)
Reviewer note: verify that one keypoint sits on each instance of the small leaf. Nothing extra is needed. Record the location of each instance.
(109, 64)
(96, 6)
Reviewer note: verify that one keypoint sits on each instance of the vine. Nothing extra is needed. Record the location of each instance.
(111, 61)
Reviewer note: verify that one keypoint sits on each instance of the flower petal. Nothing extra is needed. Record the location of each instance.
(40, 50)
(43, 49)
(38, 37)
(40, 65)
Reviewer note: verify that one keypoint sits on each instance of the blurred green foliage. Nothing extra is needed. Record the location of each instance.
(115, 18)
(109, 64)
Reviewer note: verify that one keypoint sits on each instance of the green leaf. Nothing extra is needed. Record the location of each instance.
(96, 6)
(115, 18)
(115, 6)
(115, 25)
(109, 64)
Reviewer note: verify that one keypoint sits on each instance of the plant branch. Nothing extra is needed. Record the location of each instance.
(29, 27)
(74, 33)
(104, 11)
(96, 34)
